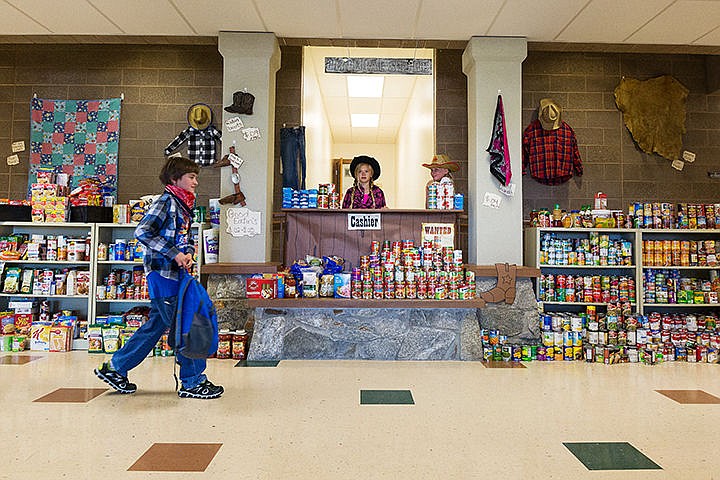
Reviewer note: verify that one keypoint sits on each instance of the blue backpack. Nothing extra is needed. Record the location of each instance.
(196, 323)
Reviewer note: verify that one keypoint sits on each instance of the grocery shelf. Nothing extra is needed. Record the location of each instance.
(593, 267)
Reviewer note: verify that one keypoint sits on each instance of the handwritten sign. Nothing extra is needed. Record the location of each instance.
(18, 146)
(13, 160)
(250, 134)
(442, 232)
(234, 124)
(242, 222)
(364, 221)
(492, 201)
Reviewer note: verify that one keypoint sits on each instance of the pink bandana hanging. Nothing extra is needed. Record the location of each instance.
(498, 149)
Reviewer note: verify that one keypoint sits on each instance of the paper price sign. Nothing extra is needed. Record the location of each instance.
(18, 146)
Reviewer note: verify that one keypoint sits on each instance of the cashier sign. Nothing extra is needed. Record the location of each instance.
(364, 221)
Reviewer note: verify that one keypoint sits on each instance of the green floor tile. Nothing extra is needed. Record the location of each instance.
(257, 363)
(611, 456)
(386, 397)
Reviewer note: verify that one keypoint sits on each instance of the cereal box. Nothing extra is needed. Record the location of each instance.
(40, 336)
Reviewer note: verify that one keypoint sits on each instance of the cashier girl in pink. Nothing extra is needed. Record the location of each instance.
(364, 193)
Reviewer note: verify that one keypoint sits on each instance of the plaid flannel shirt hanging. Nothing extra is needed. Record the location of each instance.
(201, 144)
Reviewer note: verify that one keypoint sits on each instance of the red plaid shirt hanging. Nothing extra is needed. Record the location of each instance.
(551, 156)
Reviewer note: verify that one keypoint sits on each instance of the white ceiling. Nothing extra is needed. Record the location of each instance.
(665, 22)
(391, 107)
(694, 23)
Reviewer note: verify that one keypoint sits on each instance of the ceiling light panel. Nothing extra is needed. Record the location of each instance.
(364, 120)
(365, 86)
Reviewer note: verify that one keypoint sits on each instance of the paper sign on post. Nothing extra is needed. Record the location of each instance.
(234, 124)
(689, 157)
(13, 160)
(18, 146)
(250, 134)
(491, 200)
(242, 222)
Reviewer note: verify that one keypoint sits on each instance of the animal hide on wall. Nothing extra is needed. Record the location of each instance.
(654, 112)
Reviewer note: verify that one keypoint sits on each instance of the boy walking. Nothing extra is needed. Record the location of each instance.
(165, 233)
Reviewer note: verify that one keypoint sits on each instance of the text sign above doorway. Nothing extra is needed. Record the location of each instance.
(382, 66)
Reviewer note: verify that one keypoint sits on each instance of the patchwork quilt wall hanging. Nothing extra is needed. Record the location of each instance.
(76, 137)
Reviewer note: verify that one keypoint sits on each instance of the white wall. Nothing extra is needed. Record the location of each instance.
(384, 153)
(318, 141)
(415, 146)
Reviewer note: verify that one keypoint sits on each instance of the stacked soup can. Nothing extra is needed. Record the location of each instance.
(401, 270)
(597, 249)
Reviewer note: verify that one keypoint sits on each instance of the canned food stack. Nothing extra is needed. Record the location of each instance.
(496, 348)
(586, 288)
(442, 196)
(328, 196)
(121, 250)
(597, 249)
(401, 270)
(124, 285)
(668, 287)
(620, 336)
(680, 253)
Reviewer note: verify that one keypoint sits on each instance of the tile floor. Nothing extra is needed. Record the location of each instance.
(359, 419)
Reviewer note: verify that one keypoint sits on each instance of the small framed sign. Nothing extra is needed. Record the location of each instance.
(364, 221)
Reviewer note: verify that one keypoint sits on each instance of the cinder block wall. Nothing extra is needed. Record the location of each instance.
(159, 83)
(583, 84)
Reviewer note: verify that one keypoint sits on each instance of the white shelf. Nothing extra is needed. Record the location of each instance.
(119, 262)
(651, 267)
(680, 231)
(682, 305)
(582, 303)
(48, 224)
(30, 295)
(595, 267)
(123, 300)
(586, 230)
(46, 262)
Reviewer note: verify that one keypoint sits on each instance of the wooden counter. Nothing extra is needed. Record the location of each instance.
(321, 232)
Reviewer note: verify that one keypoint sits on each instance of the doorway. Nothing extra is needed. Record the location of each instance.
(399, 115)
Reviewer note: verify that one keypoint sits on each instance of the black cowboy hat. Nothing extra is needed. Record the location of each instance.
(365, 159)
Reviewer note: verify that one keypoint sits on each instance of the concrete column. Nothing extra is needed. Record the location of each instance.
(251, 61)
(494, 64)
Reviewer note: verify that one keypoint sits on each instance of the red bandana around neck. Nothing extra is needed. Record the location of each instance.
(188, 198)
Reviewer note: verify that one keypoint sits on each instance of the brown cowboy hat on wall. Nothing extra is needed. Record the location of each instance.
(442, 161)
(368, 160)
(199, 116)
(549, 114)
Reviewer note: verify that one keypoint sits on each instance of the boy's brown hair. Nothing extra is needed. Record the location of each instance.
(176, 167)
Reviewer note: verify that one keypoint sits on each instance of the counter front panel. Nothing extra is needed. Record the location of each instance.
(325, 232)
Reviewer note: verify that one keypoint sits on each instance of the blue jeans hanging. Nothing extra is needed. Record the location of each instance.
(292, 155)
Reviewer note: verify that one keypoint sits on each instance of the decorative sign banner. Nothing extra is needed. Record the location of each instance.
(364, 221)
(242, 222)
(382, 66)
(445, 232)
